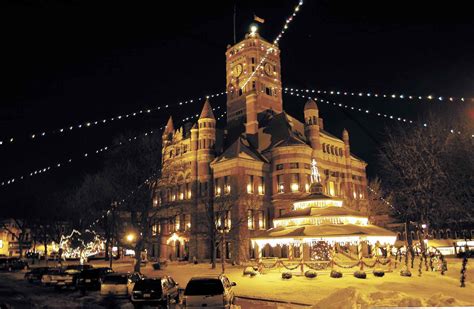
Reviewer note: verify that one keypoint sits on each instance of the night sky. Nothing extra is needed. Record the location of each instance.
(65, 63)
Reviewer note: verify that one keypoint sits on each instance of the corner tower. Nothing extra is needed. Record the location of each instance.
(242, 60)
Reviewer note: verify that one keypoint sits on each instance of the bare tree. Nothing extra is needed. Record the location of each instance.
(430, 170)
(378, 200)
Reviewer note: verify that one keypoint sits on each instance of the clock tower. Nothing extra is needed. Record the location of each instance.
(252, 89)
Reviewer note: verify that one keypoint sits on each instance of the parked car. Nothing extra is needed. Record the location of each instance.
(155, 292)
(213, 291)
(119, 284)
(35, 274)
(58, 278)
(77, 268)
(90, 279)
(12, 263)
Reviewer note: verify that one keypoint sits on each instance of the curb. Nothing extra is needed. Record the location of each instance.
(273, 300)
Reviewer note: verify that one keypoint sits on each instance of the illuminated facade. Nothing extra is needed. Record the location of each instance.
(261, 161)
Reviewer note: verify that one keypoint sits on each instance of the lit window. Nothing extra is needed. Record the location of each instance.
(294, 165)
(187, 222)
(261, 220)
(226, 185)
(250, 184)
(331, 189)
(261, 186)
(295, 182)
(280, 184)
(250, 219)
(177, 223)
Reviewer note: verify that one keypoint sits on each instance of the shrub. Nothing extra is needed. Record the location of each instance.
(249, 271)
(379, 273)
(405, 273)
(336, 274)
(360, 274)
(310, 274)
(286, 275)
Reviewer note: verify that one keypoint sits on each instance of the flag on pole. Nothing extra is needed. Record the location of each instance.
(258, 19)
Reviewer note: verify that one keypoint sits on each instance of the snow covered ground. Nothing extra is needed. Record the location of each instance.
(431, 289)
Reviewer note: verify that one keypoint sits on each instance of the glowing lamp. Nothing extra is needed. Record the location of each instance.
(294, 187)
(260, 189)
(253, 29)
(130, 237)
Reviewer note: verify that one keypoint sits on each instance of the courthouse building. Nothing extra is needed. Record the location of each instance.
(249, 172)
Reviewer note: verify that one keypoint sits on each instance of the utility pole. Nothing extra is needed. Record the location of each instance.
(112, 230)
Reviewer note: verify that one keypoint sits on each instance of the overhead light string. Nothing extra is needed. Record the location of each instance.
(396, 96)
(275, 42)
(89, 124)
(367, 111)
(85, 155)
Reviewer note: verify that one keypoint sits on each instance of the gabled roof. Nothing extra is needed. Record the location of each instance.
(207, 111)
(241, 148)
(280, 130)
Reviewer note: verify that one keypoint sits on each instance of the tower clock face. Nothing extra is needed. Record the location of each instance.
(237, 70)
(268, 69)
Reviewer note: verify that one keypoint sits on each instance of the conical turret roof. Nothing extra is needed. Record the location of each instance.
(169, 125)
(207, 111)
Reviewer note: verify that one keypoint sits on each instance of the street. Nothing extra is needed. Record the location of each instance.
(15, 292)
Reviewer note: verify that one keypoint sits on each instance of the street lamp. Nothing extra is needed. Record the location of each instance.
(130, 237)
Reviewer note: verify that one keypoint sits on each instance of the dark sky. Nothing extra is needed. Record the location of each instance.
(67, 62)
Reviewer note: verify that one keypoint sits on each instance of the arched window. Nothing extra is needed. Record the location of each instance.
(448, 234)
(441, 234)
(332, 149)
(340, 152)
(435, 235)
(324, 147)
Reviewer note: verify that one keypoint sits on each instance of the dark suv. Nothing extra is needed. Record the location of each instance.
(155, 292)
(90, 279)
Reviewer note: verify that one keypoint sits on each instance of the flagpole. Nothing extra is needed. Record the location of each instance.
(235, 9)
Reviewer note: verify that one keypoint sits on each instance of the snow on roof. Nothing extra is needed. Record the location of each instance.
(326, 230)
(322, 212)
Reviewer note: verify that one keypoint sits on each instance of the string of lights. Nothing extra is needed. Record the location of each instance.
(85, 155)
(413, 98)
(124, 200)
(382, 198)
(353, 108)
(367, 111)
(275, 42)
(89, 124)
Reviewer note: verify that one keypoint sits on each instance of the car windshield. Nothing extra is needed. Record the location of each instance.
(115, 280)
(204, 287)
(148, 284)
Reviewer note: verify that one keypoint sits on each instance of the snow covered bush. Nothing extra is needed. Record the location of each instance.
(379, 273)
(310, 274)
(286, 275)
(405, 273)
(360, 274)
(250, 271)
(336, 274)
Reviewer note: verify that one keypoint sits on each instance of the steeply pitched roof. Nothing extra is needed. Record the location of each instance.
(241, 148)
(280, 130)
(207, 111)
(169, 125)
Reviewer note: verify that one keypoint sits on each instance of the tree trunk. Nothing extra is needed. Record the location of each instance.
(138, 255)
(223, 252)
(45, 244)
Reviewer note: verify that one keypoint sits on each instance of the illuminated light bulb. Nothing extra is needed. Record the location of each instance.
(430, 97)
(394, 96)
(33, 136)
(253, 29)
(295, 187)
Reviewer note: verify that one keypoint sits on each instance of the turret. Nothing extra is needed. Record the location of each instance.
(311, 119)
(168, 132)
(206, 141)
(347, 158)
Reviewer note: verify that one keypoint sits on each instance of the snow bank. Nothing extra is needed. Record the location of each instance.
(352, 298)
